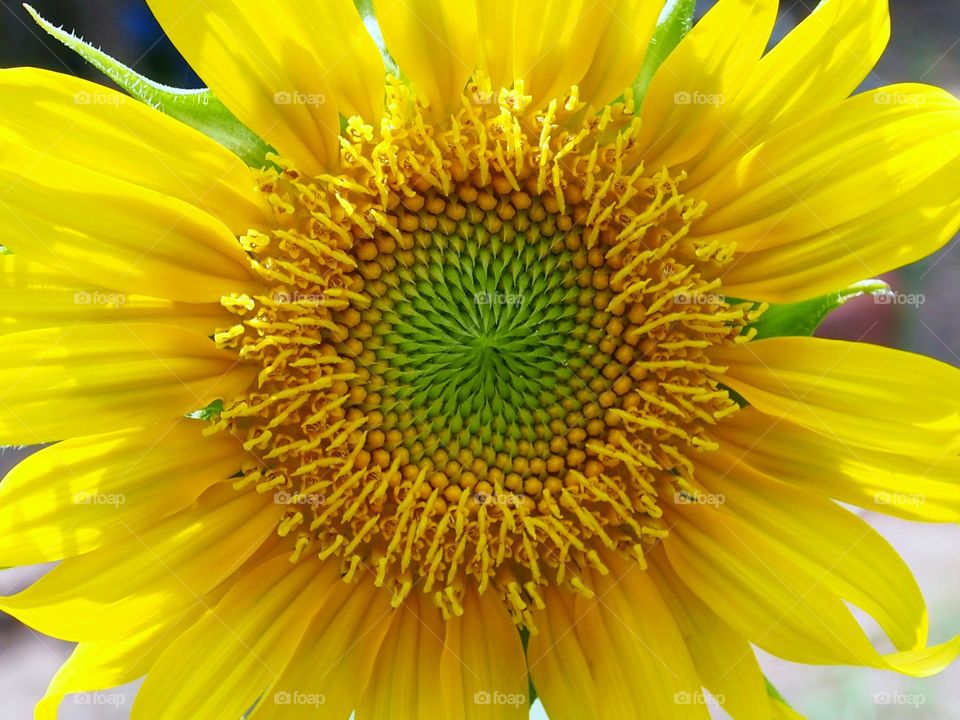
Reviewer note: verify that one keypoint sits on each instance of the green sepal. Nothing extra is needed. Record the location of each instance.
(365, 8)
(197, 108)
(783, 711)
(675, 22)
(803, 318)
(525, 639)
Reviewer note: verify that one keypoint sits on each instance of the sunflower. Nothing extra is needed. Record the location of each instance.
(465, 387)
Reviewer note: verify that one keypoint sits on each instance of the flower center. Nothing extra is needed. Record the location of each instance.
(483, 349)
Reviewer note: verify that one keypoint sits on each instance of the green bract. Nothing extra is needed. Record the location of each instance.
(197, 108)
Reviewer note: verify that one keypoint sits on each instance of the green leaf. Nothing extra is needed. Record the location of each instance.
(197, 108)
(803, 318)
(674, 23)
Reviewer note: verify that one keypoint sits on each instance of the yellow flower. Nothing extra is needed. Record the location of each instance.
(477, 408)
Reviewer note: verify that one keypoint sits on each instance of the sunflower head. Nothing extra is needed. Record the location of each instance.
(499, 329)
(483, 350)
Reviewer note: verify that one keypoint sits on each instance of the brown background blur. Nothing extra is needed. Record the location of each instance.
(925, 47)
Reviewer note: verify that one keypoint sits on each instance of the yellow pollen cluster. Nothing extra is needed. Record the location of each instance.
(483, 348)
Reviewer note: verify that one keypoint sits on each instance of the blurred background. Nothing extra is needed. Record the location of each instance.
(925, 47)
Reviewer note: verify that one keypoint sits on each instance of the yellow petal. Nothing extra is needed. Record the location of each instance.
(906, 228)
(245, 643)
(760, 592)
(864, 395)
(622, 49)
(111, 376)
(924, 489)
(922, 662)
(558, 665)
(682, 110)
(336, 37)
(95, 127)
(121, 589)
(848, 556)
(775, 602)
(407, 670)
(281, 67)
(829, 169)
(327, 676)
(109, 232)
(93, 491)
(434, 42)
(495, 25)
(550, 46)
(105, 664)
(724, 659)
(782, 711)
(817, 65)
(483, 670)
(822, 181)
(555, 46)
(640, 663)
(32, 296)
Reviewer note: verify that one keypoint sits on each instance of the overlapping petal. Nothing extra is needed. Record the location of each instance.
(119, 590)
(640, 664)
(817, 65)
(483, 658)
(245, 642)
(103, 230)
(847, 556)
(91, 492)
(777, 603)
(435, 43)
(102, 130)
(851, 192)
(859, 394)
(286, 69)
(682, 110)
(549, 46)
(409, 686)
(925, 489)
(34, 297)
